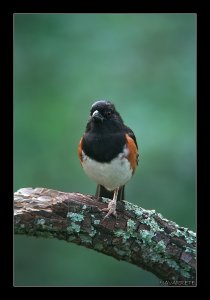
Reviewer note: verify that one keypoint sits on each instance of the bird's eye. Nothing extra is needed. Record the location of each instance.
(108, 113)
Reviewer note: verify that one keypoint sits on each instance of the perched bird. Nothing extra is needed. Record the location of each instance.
(108, 152)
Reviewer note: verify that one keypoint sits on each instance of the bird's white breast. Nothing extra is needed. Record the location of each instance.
(111, 175)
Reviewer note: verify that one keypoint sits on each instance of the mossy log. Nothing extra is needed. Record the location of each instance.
(138, 236)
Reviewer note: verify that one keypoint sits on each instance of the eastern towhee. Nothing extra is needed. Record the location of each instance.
(108, 152)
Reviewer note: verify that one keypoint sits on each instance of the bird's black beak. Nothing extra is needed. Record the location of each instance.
(97, 117)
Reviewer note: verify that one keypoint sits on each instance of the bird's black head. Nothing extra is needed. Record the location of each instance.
(103, 111)
(104, 117)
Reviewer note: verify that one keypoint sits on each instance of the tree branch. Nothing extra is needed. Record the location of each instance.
(138, 236)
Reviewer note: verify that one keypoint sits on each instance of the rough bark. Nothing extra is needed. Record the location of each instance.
(138, 236)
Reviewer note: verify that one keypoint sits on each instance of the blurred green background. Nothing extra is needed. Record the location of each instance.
(146, 65)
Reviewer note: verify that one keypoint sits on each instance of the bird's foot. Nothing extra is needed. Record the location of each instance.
(111, 209)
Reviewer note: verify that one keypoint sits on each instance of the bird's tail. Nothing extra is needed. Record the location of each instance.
(102, 192)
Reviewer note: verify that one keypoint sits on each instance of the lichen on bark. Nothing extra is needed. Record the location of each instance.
(141, 237)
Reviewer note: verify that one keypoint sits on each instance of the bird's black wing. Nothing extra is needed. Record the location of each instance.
(131, 134)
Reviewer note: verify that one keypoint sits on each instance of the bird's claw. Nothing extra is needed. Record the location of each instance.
(111, 209)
